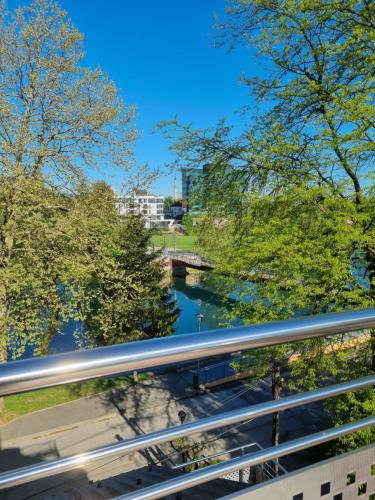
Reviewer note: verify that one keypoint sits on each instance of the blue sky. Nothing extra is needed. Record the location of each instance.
(160, 54)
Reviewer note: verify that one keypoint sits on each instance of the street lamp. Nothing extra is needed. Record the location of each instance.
(197, 383)
(200, 318)
(182, 415)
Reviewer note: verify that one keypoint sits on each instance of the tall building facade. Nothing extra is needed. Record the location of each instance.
(192, 179)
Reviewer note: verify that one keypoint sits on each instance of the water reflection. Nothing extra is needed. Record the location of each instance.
(204, 293)
(206, 298)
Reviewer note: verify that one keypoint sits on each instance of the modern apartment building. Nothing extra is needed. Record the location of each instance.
(149, 206)
(194, 187)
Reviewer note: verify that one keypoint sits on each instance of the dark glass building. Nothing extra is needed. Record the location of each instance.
(192, 181)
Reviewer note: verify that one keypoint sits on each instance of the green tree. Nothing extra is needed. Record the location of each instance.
(43, 266)
(290, 201)
(168, 202)
(126, 297)
(57, 118)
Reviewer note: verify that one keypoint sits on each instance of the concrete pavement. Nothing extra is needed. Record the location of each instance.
(137, 409)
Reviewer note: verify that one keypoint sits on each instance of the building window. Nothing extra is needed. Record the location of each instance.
(338, 496)
(350, 478)
(362, 488)
(299, 496)
(325, 488)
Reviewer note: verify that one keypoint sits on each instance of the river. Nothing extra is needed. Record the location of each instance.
(191, 299)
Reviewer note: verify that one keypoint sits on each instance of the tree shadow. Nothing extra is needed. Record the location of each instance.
(195, 406)
(149, 454)
(134, 404)
(294, 423)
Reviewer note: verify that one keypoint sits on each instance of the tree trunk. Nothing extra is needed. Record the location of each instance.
(276, 390)
(49, 335)
(3, 335)
(3, 359)
(54, 321)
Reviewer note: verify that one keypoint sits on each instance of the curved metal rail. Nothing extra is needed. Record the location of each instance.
(47, 371)
(35, 373)
(200, 476)
(23, 475)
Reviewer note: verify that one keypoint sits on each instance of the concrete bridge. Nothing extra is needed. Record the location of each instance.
(179, 262)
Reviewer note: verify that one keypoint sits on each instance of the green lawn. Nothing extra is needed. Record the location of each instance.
(19, 404)
(183, 241)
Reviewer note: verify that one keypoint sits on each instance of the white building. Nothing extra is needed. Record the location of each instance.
(151, 207)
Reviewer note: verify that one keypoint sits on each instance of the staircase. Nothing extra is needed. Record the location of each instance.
(135, 480)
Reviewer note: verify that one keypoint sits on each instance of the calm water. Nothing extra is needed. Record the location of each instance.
(207, 298)
(203, 298)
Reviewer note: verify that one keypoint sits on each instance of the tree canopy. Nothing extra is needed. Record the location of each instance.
(290, 200)
(64, 250)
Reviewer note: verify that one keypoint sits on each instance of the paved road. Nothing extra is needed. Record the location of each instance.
(114, 415)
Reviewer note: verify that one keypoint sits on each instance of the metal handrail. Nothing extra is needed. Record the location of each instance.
(211, 472)
(36, 373)
(41, 470)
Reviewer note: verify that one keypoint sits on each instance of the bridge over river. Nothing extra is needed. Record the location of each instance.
(179, 262)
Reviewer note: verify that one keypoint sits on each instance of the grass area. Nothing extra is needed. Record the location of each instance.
(20, 404)
(184, 242)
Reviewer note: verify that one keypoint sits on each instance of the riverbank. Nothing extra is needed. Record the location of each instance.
(185, 242)
(205, 298)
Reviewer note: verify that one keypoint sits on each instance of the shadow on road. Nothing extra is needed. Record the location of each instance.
(13, 458)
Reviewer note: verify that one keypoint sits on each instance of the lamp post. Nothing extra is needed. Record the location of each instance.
(197, 382)
(184, 457)
(181, 416)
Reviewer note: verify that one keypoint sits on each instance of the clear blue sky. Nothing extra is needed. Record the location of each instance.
(160, 54)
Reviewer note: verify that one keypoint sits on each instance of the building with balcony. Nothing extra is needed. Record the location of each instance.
(149, 206)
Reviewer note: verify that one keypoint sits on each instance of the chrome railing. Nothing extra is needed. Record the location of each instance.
(35, 373)
(215, 471)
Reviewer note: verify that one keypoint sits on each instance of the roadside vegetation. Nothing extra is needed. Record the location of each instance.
(20, 404)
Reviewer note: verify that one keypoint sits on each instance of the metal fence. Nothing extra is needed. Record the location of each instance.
(36, 373)
(268, 470)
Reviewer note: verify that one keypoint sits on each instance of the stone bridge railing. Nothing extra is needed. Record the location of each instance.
(187, 260)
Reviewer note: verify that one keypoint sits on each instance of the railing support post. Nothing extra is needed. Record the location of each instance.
(241, 475)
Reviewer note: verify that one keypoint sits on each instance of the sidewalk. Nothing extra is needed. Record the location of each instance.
(100, 420)
(138, 396)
